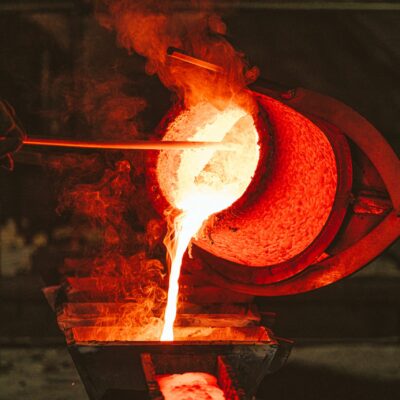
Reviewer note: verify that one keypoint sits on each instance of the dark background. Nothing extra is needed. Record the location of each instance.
(348, 334)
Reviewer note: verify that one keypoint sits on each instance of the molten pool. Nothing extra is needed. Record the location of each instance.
(190, 386)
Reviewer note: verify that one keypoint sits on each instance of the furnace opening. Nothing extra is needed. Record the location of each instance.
(209, 179)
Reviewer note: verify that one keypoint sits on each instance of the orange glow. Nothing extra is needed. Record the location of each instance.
(151, 332)
(190, 385)
(204, 182)
(198, 179)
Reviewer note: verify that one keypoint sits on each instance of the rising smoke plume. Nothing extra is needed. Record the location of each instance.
(107, 191)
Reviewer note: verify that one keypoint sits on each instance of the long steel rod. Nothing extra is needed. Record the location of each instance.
(178, 54)
(132, 145)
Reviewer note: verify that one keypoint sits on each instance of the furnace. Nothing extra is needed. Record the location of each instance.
(260, 190)
(318, 204)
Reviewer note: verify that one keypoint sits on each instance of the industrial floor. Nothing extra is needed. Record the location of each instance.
(327, 371)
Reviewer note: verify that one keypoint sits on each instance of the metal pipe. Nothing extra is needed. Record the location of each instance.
(180, 55)
(133, 145)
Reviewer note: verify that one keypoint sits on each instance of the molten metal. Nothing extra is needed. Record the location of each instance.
(206, 181)
(190, 385)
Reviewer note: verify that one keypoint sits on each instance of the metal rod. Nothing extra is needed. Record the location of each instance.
(134, 145)
(182, 56)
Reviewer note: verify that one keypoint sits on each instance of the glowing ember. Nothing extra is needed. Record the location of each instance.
(190, 386)
(204, 181)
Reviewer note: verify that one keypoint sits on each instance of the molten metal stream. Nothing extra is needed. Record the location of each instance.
(186, 225)
(206, 180)
(136, 145)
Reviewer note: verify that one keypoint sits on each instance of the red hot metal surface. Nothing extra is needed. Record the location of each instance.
(302, 273)
(300, 192)
(360, 253)
(294, 206)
